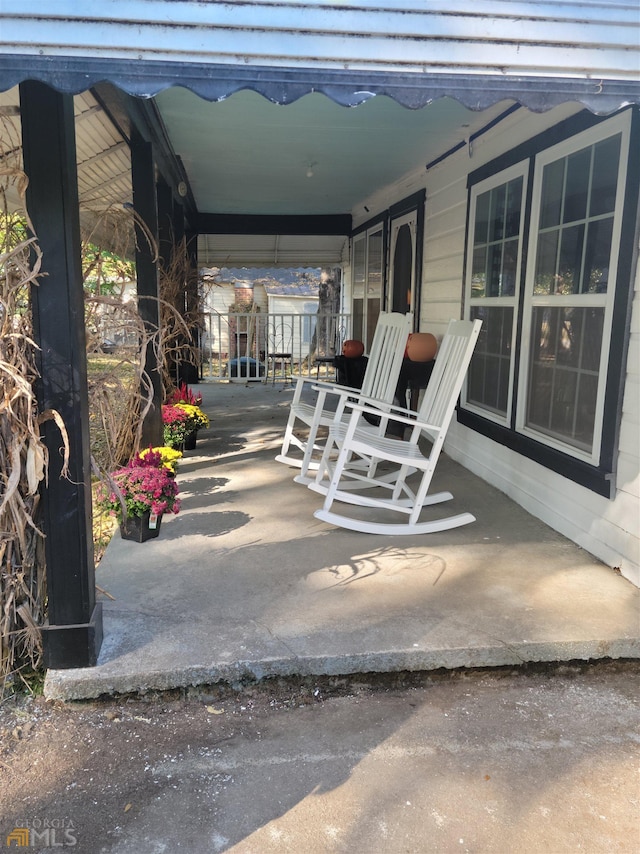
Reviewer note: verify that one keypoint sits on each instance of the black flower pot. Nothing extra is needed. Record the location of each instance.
(190, 440)
(137, 528)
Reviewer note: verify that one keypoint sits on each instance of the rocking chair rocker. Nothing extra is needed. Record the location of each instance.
(378, 389)
(361, 451)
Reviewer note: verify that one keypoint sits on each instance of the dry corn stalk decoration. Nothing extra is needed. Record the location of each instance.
(121, 391)
(119, 384)
(23, 456)
(179, 314)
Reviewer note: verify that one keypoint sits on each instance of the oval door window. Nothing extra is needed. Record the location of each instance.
(402, 270)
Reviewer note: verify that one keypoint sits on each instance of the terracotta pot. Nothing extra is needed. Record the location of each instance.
(352, 348)
(137, 528)
(421, 347)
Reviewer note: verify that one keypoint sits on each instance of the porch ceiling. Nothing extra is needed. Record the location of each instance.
(247, 155)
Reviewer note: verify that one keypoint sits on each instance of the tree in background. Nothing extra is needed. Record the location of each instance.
(326, 336)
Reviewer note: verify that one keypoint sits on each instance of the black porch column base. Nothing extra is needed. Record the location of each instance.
(66, 647)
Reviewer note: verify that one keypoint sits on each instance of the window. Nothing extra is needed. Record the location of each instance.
(578, 192)
(542, 275)
(495, 250)
(367, 283)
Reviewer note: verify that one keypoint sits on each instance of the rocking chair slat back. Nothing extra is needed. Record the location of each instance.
(448, 375)
(360, 451)
(385, 359)
(379, 383)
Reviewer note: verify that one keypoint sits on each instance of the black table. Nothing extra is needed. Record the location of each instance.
(414, 376)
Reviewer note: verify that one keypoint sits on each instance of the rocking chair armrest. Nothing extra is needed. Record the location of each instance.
(381, 407)
(334, 388)
(392, 413)
(324, 386)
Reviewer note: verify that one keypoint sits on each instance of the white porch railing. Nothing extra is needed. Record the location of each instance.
(255, 346)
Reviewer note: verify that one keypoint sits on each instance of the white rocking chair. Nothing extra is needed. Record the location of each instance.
(378, 389)
(362, 450)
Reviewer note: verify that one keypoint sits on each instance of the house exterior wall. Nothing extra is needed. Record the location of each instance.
(220, 300)
(293, 325)
(607, 528)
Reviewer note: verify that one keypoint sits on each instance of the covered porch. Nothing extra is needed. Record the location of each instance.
(245, 584)
(366, 137)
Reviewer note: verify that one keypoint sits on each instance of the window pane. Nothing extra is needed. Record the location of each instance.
(545, 280)
(570, 261)
(374, 266)
(605, 176)
(358, 319)
(496, 224)
(514, 203)
(509, 268)
(479, 272)
(482, 218)
(551, 202)
(488, 378)
(563, 379)
(359, 271)
(563, 403)
(373, 313)
(585, 409)
(596, 268)
(592, 338)
(494, 269)
(577, 187)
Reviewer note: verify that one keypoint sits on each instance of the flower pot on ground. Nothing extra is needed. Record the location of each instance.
(190, 440)
(175, 424)
(137, 491)
(160, 456)
(140, 528)
(197, 419)
(179, 420)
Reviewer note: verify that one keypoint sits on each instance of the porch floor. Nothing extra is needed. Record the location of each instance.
(245, 583)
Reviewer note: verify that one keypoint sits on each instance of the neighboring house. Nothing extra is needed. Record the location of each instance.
(285, 312)
(292, 318)
(465, 159)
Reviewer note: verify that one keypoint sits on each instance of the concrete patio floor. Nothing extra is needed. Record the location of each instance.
(246, 584)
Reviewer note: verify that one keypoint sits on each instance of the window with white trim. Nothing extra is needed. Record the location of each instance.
(541, 365)
(493, 276)
(578, 192)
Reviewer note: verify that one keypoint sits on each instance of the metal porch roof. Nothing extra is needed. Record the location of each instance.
(455, 66)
